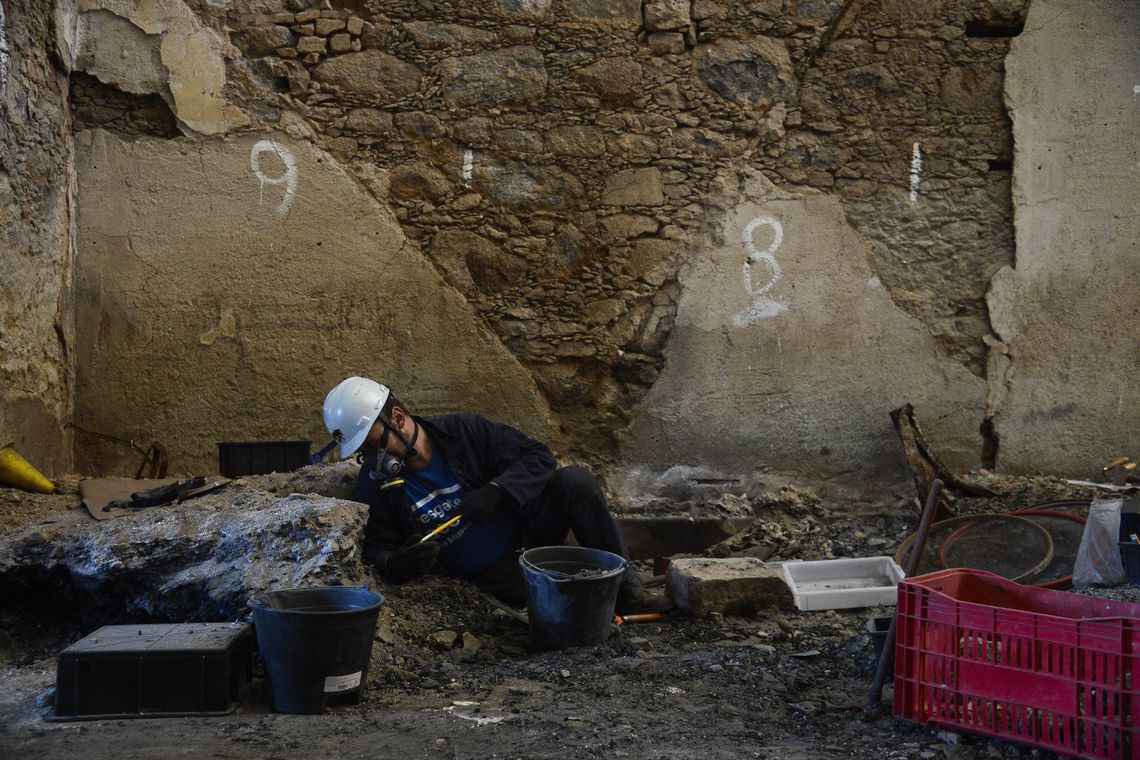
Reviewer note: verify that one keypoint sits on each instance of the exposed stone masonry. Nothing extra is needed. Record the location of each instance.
(557, 161)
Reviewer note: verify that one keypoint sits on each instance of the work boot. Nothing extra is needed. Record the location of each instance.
(634, 599)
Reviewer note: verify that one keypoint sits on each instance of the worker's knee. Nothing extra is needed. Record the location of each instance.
(577, 482)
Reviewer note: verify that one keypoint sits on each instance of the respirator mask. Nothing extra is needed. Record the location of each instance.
(389, 465)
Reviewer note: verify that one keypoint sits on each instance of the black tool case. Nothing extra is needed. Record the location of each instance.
(148, 671)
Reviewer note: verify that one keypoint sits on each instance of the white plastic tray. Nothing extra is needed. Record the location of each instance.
(837, 584)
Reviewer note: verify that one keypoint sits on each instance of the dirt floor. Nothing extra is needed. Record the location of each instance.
(452, 676)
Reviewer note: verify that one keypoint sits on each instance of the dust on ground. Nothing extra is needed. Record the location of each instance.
(452, 676)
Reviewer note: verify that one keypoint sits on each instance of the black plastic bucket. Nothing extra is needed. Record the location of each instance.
(316, 644)
(571, 592)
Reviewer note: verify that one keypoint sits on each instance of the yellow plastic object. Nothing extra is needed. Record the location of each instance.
(17, 472)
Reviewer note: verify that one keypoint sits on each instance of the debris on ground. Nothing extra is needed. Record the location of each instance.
(771, 684)
(194, 562)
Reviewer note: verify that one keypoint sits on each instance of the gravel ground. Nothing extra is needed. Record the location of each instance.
(452, 676)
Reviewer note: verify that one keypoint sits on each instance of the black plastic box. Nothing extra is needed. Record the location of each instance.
(147, 671)
(237, 459)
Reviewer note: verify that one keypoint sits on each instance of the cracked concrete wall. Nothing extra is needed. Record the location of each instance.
(787, 352)
(224, 287)
(1067, 314)
(36, 179)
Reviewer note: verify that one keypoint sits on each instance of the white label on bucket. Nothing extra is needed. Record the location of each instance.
(334, 684)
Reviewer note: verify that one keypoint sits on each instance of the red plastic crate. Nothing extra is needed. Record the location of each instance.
(980, 654)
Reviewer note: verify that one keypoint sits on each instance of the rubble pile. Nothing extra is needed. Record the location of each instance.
(198, 561)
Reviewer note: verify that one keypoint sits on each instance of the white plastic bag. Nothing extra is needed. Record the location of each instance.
(1098, 559)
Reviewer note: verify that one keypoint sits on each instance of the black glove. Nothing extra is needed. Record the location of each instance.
(411, 561)
(484, 503)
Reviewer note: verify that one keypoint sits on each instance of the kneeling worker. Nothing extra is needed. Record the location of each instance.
(419, 473)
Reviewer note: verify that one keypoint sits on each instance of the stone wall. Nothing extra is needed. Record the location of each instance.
(709, 233)
(36, 319)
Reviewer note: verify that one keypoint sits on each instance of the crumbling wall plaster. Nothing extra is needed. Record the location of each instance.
(224, 287)
(36, 178)
(1066, 314)
(160, 48)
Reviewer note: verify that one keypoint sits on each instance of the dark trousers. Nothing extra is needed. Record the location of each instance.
(571, 502)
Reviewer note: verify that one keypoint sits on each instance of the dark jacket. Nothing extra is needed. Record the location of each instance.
(479, 451)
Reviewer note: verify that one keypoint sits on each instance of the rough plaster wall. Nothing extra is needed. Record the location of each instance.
(1064, 381)
(788, 350)
(36, 343)
(224, 286)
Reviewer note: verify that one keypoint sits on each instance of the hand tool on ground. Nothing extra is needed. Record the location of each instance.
(441, 528)
(180, 491)
(874, 705)
(643, 617)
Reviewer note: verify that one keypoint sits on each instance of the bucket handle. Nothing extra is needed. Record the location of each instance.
(557, 575)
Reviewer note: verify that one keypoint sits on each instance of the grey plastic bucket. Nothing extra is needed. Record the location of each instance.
(571, 594)
(316, 644)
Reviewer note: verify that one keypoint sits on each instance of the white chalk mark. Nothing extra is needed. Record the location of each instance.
(915, 172)
(1136, 89)
(3, 50)
(762, 306)
(874, 282)
(468, 166)
(289, 178)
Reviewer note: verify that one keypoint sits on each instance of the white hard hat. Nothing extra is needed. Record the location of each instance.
(351, 408)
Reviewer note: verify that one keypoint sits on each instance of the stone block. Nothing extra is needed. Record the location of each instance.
(634, 187)
(608, 10)
(585, 142)
(615, 80)
(703, 9)
(649, 260)
(355, 26)
(625, 226)
(420, 124)
(514, 75)
(287, 52)
(531, 10)
(667, 15)
(263, 40)
(369, 121)
(666, 43)
(340, 43)
(305, 30)
(734, 586)
(370, 74)
(756, 71)
(282, 18)
(312, 45)
(326, 26)
(432, 36)
(305, 17)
